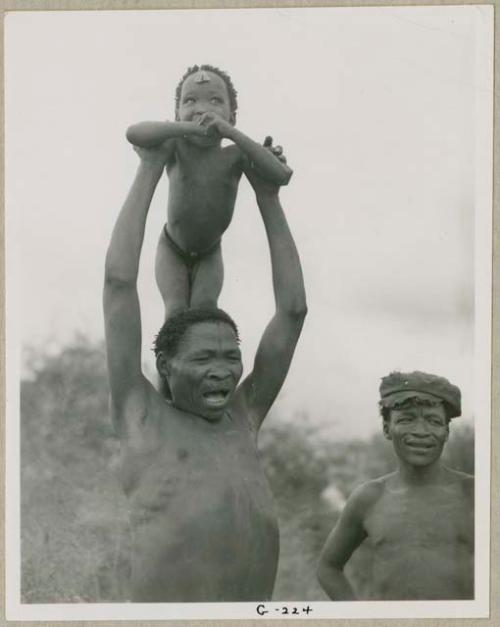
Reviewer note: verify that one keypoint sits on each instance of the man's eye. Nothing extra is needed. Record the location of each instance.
(216, 100)
(189, 100)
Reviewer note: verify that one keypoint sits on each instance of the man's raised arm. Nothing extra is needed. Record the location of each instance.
(121, 303)
(278, 342)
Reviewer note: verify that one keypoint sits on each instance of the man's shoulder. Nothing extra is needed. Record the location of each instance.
(365, 496)
(239, 411)
(461, 479)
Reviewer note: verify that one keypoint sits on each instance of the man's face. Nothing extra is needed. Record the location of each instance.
(206, 369)
(418, 433)
(204, 92)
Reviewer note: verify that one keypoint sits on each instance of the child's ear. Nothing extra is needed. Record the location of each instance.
(162, 365)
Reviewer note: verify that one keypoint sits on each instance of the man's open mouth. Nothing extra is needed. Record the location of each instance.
(216, 398)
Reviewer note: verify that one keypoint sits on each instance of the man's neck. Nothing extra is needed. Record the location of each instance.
(420, 475)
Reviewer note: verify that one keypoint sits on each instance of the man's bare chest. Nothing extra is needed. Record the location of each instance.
(424, 521)
(194, 470)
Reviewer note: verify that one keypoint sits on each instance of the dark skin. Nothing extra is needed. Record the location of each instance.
(201, 511)
(203, 184)
(419, 520)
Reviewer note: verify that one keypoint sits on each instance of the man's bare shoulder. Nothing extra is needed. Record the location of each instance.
(239, 411)
(367, 494)
(460, 479)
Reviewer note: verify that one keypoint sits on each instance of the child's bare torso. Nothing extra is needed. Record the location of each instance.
(423, 539)
(203, 183)
(201, 510)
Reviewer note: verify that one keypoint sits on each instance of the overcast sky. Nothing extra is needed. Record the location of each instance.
(376, 111)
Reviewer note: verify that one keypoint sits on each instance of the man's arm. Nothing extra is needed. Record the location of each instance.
(347, 535)
(153, 134)
(278, 342)
(121, 303)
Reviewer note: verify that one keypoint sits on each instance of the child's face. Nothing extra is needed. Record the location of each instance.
(418, 433)
(204, 92)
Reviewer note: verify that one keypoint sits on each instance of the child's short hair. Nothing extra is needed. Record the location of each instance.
(233, 102)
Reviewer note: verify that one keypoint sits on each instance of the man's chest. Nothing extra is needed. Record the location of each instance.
(195, 466)
(424, 520)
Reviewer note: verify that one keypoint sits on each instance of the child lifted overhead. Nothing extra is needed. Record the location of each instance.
(418, 520)
(203, 183)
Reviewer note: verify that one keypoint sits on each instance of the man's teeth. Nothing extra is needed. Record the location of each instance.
(215, 398)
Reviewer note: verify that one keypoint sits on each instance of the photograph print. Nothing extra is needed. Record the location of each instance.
(248, 292)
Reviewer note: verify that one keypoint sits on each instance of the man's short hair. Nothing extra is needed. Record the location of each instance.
(233, 101)
(173, 330)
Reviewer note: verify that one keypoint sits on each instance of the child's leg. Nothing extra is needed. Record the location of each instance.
(207, 280)
(171, 277)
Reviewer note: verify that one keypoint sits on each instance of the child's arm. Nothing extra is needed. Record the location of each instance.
(267, 164)
(152, 134)
(347, 535)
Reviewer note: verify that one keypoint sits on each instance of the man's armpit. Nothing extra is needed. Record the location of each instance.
(132, 407)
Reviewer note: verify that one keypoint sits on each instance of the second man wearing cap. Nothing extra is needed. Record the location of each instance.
(418, 520)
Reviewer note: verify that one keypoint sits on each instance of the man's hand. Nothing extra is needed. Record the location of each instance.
(158, 155)
(260, 184)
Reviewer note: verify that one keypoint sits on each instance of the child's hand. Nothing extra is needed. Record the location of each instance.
(196, 129)
(215, 125)
(260, 184)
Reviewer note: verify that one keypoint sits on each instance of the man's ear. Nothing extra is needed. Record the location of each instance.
(385, 429)
(232, 118)
(163, 365)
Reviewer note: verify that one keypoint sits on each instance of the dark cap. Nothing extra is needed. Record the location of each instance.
(400, 386)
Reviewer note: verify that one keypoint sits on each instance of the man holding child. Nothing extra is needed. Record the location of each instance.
(201, 511)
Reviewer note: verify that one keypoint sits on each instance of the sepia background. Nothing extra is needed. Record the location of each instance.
(375, 110)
